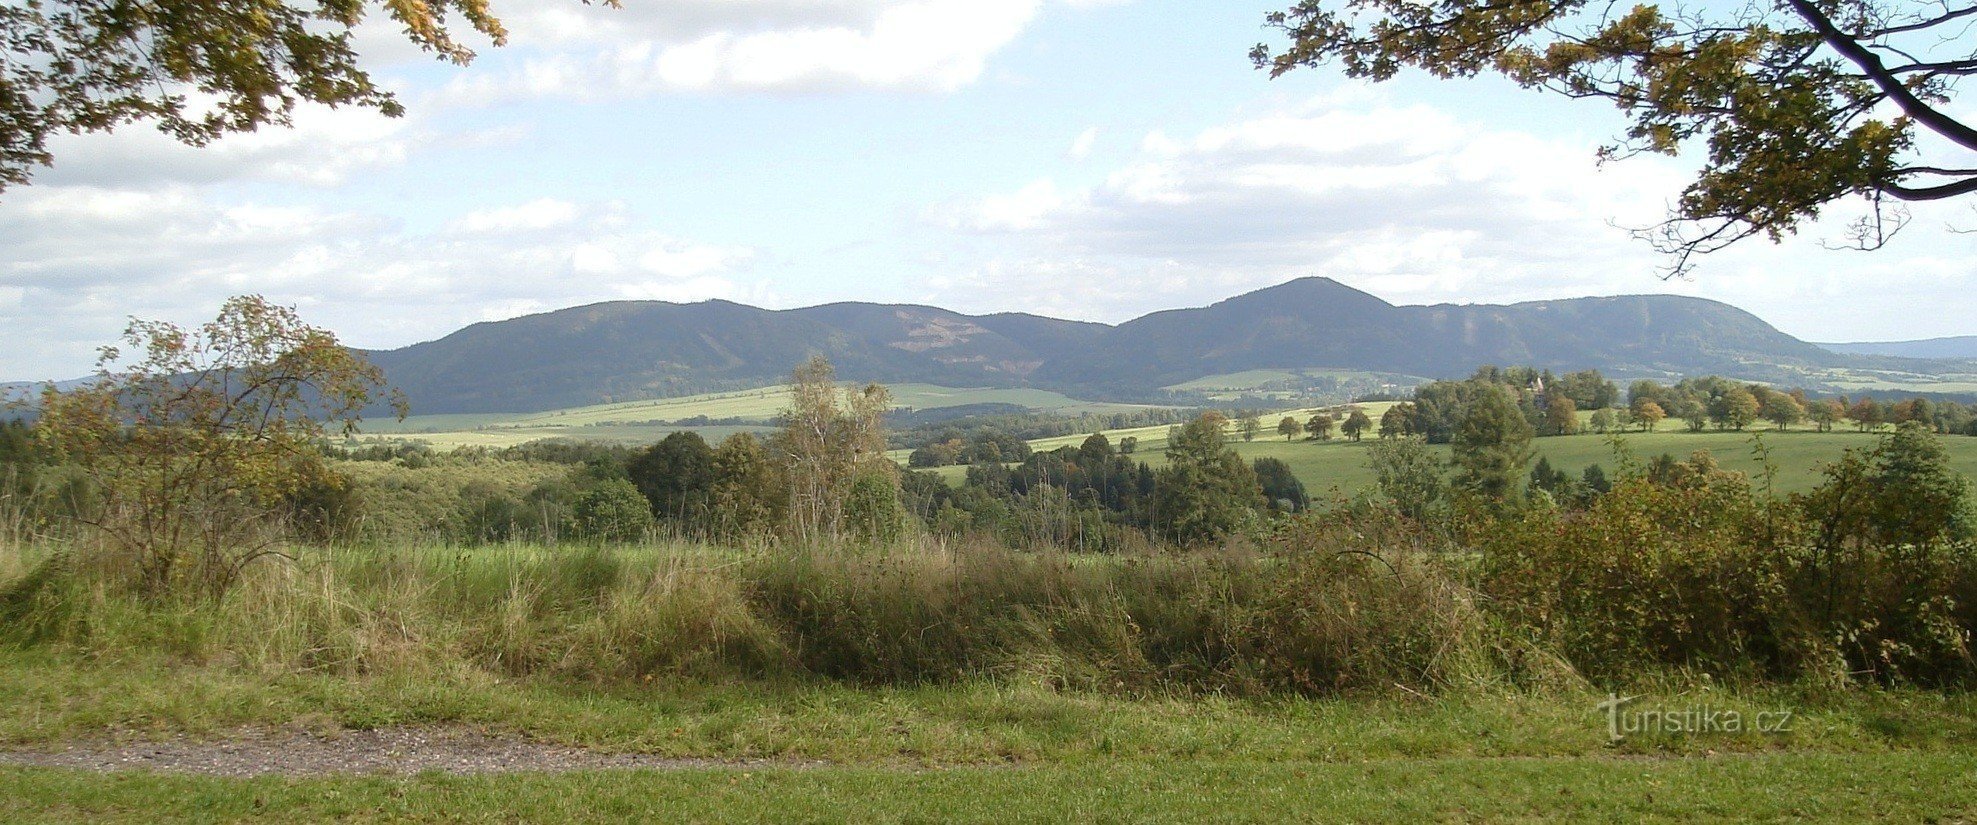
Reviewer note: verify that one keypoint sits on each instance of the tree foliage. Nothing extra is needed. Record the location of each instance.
(1206, 491)
(198, 69)
(1409, 475)
(195, 439)
(676, 476)
(829, 439)
(1356, 424)
(1796, 103)
(1492, 445)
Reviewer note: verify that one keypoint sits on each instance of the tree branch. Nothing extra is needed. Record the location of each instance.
(1878, 73)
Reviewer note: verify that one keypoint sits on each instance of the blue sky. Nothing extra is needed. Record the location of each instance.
(1094, 159)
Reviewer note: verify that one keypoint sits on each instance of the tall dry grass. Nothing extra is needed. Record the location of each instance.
(923, 611)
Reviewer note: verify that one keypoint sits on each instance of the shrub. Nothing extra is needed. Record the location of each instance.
(612, 510)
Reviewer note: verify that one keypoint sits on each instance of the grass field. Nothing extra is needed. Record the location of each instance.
(644, 422)
(1852, 380)
(1816, 788)
(1341, 464)
(992, 752)
(1317, 383)
(357, 639)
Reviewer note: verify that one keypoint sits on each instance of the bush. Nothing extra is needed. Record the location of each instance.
(1696, 571)
(612, 510)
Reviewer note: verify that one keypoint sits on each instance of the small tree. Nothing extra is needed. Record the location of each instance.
(1780, 409)
(872, 512)
(677, 476)
(1281, 489)
(748, 494)
(1397, 421)
(1290, 428)
(1735, 409)
(1647, 413)
(194, 440)
(1492, 446)
(1356, 424)
(1561, 415)
(1866, 414)
(1602, 421)
(1825, 414)
(1206, 491)
(1409, 475)
(1694, 414)
(1249, 426)
(1320, 427)
(829, 439)
(612, 510)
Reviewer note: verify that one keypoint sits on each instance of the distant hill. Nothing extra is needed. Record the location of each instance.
(1960, 346)
(1320, 321)
(649, 349)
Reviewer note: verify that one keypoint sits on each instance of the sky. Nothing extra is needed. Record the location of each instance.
(1088, 159)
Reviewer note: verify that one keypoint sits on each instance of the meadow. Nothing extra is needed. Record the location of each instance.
(922, 683)
(644, 422)
(1348, 664)
(1312, 384)
(1340, 465)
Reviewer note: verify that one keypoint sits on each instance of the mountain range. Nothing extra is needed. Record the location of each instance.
(1960, 346)
(629, 350)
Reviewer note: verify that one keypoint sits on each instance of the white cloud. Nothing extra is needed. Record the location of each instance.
(1082, 146)
(1025, 208)
(323, 148)
(1408, 202)
(566, 50)
(539, 214)
(87, 258)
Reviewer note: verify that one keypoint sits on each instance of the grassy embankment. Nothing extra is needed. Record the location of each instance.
(966, 685)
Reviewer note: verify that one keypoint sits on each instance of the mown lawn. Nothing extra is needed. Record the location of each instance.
(1813, 787)
(995, 751)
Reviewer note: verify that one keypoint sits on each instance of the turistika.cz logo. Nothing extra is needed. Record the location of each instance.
(1695, 720)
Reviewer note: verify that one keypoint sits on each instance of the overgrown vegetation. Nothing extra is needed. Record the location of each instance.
(807, 556)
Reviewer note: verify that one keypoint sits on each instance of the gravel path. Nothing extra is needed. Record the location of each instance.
(387, 751)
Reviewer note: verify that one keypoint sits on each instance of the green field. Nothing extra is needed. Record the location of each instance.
(1854, 380)
(644, 422)
(1899, 787)
(988, 753)
(1320, 384)
(1341, 464)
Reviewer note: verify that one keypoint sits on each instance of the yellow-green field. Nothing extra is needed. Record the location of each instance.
(1854, 380)
(644, 422)
(1291, 383)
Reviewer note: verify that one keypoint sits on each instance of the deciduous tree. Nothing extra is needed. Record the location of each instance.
(193, 438)
(1780, 409)
(1409, 475)
(676, 476)
(198, 69)
(1492, 446)
(1561, 415)
(1795, 104)
(1647, 413)
(828, 440)
(1206, 491)
(1320, 427)
(1356, 424)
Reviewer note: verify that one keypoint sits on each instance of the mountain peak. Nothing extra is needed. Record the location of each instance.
(648, 349)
